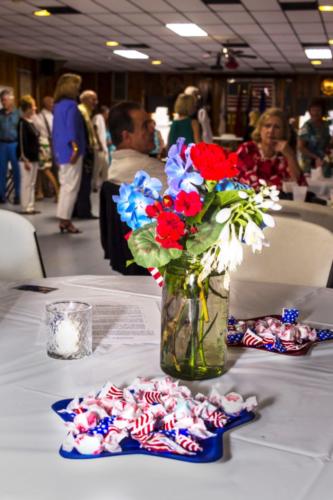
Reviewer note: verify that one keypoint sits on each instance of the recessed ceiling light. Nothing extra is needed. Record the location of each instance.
(42, 13)
(186, 29)
(326, 8)
(131, 54)
(319, 53)
(330, 41)
(156, 62)
(112, 43)
(316, 62)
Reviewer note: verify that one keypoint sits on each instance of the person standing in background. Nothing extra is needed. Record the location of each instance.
(69, 146)
(44, 123)
(101, 163)
(314, 137)
(9, 118)
(82, 208)
(28, 154)
(159, 145)
(183, 125)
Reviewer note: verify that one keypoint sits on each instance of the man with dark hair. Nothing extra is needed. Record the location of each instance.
(133, 138)
(9, 118)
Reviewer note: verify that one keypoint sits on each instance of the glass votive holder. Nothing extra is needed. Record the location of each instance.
(69, 326)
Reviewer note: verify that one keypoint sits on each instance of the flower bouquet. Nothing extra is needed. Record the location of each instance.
(193, 234)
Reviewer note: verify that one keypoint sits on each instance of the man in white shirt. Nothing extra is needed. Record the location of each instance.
(134, 140)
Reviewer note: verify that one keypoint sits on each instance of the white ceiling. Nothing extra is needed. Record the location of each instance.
(274, 36)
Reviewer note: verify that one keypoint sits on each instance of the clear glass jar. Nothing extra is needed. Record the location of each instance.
(69, 329)
(194, 322)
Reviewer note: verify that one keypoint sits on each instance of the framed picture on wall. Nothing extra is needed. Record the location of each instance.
(25, 82)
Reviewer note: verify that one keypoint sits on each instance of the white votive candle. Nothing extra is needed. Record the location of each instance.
(67, 338)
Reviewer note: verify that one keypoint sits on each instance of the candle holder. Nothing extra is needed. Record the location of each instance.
(69, 329)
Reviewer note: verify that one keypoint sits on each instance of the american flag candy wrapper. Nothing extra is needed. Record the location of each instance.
(187, 443)
(156, 275)
(325, 335)
(159, 442)
(110, 391)
(85, 421)
(274, 324)
(231, 321)
(152, 397)
(313, 335)
(290, 315)
(218, 419)
(304, 332)
(267, 336)
(251, 339)
(287, 332)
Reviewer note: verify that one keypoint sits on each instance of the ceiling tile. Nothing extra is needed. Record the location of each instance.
(119, 6)
(170, 17)
(189, 5)
(236, 18)
(202, 17)
(142, 19)
(262, 5)
(247, 29)
(219, 29)
(278, 29)
(303, 16)
(314, 38)
(155, 6)
(227, 8)
(309, 28)
(110, 19)
(269, 17)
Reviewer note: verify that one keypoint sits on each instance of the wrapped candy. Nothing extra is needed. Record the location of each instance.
(273, 334)
(159, 414)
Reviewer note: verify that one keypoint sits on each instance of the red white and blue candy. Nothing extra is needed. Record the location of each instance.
(158, 414)
(283, 335)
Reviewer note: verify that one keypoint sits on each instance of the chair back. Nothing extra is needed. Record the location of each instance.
(20, 256)
(300, 253)
(113, 231)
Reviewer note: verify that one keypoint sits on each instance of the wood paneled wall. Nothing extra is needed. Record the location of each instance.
(290, 89)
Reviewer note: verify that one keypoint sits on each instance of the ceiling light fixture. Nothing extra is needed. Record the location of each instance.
(316, 62)
(330, 41)
(131, 54)
(325, 8)
(42, 13)
(318, 53)
(156, 62)
(112, 43)
(186, 29)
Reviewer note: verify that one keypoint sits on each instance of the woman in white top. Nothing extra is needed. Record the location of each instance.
(101, 160)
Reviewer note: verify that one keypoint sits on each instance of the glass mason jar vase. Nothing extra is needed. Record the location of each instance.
(194, 321)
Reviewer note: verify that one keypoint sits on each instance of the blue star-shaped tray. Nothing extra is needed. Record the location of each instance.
(212, 447)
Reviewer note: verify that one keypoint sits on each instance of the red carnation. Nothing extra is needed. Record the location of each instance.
(212, 162)
(170, 226)
(188, 204)
(153, 210)
(168, 243)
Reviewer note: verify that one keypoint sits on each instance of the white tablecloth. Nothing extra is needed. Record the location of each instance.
(286, 453)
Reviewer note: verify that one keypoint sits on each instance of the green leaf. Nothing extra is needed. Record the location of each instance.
(209, 198)
(225, 198)
(207, 235)
(147, 252)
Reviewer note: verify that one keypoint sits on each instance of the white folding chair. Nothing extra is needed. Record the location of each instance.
(300, 253)
(20, 256)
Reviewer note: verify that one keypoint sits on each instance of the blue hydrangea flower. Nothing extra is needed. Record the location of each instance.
(134, 198)
(228, 185)
(181, 174)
